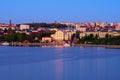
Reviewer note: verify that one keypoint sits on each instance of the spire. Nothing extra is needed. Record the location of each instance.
(10, 23)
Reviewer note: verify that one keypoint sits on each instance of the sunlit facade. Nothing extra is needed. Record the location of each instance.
(58, 36)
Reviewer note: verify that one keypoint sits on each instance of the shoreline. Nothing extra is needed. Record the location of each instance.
(57, 45)
(99, 45)
(35, 44)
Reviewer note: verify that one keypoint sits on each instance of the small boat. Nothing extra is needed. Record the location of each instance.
(5, 44)
(66, 45)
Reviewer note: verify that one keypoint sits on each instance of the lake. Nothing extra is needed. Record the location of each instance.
(73, 63)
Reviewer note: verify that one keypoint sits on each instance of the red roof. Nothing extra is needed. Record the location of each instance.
(47, 37)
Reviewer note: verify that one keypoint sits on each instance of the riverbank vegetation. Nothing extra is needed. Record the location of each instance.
(91, 39)
(13, 36)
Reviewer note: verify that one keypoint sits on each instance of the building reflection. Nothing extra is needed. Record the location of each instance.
(94, 69)
(59, 69)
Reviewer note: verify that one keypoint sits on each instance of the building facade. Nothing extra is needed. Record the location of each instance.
(24, 27)
(58, 36)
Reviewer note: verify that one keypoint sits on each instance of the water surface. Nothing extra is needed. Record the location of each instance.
(74, 63)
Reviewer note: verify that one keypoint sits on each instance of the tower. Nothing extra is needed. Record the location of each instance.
(10, 23)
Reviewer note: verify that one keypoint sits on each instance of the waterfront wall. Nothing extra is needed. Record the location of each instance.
(35, 44)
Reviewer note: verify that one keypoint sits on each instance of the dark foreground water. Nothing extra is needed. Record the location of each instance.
(74, 63)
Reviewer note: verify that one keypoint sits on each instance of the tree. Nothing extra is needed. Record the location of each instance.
(96, 36)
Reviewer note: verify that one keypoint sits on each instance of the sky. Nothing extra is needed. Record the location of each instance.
(27, 11)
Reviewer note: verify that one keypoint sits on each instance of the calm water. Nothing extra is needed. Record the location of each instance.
(74, 63)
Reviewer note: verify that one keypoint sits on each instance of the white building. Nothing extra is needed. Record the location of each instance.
(82, 29)
(24, 27)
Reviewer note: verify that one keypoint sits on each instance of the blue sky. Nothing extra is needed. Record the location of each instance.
(22, 11)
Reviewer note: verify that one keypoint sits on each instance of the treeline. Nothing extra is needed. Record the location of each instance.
(12, 36)
(46, 25)
(91, 39)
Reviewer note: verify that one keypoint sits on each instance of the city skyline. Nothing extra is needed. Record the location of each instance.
(25, 11)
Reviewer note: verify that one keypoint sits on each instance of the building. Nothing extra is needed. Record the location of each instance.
(46, 39)
(82, 29)
(66, 37)
(82, 35)
(77, 26)
(113, 24)
(58, 36)
(117, 27)
(69, 34)
(118, 24)
(7, 26)
(87, 25)
(53, 29)
(92, 24)
(62, 35)
(24, 27)
(100, 34)
(115, 33)
(101, 24)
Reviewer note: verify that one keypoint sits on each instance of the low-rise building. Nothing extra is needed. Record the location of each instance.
(66, 37)
(100, 34)
(82, 35)
(69, 34)
(117, 27)
(46, 39)
(24, 27)
(114, 33)
(53, 29)
(92, 24)
(7, 26)
(81, 29)
(102, 24)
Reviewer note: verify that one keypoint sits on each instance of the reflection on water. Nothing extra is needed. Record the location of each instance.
(59, 65)
(59, 69)
(74, 63)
